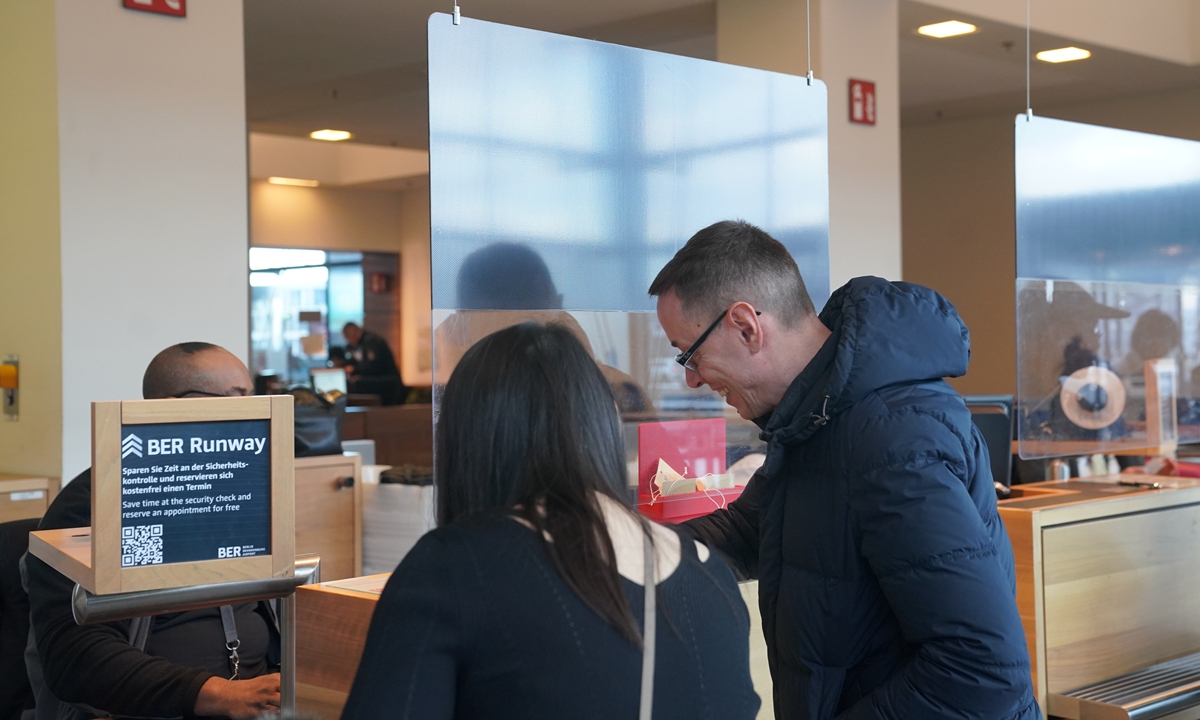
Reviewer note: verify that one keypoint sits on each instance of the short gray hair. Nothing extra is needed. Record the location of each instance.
(734, 261)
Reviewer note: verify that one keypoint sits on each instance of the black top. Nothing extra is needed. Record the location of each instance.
(476, 623)
(95, 664)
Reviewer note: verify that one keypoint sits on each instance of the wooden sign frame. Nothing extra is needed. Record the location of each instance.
(108, 576)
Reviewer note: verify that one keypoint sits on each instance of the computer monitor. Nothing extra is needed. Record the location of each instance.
(328, 379)
(993, 415)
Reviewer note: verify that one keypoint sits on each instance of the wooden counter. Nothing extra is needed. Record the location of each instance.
(1106, 576)
(25, 495)
(331, 627)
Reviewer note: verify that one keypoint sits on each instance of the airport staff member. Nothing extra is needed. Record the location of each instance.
(886, 577)
(181, 670)
(370, 365)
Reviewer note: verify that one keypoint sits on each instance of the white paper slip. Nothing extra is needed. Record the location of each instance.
(369, 584)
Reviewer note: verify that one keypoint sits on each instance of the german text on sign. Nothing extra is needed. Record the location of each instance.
(195, 491)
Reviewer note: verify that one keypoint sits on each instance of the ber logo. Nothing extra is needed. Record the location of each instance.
(131, 445)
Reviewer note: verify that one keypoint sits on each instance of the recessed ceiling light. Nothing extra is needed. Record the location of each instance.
(292, 181)
(950, 28)
(331, 135)
(1062, 55)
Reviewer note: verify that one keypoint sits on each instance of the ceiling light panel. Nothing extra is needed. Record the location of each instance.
(330, 135)
(1061, 55)
(950, 28)
(298, 182)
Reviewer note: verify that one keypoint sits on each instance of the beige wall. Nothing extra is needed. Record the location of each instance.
(30, 279)
(324, 218)
(1175, 114)
(959, 214)
(959, 235)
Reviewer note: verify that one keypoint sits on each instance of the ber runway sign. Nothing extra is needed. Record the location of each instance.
(195, 491)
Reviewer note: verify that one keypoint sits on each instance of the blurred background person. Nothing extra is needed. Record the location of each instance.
(371, 367)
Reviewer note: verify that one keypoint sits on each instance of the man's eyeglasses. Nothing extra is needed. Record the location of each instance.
(685, 358)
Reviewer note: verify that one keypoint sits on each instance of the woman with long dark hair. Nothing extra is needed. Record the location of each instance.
(529, 600)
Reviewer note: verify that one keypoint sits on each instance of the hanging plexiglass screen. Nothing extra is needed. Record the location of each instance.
(1108, 289)
(564, 173)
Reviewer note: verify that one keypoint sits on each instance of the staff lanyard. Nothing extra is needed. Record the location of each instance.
(231, 639)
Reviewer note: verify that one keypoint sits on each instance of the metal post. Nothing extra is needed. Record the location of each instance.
(287, 644)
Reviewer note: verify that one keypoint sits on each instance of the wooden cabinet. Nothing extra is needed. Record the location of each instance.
(1106, 579)
(25, 496)
(331, 628)
(329, 513)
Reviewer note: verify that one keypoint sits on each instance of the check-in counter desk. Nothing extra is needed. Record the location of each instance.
(25, 496)
(1108, 586)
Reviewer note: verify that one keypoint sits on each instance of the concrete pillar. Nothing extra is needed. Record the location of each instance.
(850, 39)
(146, 244)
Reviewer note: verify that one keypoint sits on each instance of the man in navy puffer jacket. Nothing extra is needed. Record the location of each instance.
(886, 579)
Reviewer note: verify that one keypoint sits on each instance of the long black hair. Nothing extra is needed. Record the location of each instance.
(528, 427)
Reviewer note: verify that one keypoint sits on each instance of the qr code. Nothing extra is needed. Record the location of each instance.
(141, 545)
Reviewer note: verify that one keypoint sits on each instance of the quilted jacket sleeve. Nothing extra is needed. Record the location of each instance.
(732, 531)
(939, 563)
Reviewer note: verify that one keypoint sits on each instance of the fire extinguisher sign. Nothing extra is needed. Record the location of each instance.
(862, 102)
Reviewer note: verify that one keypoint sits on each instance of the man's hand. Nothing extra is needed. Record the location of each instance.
(239, 699)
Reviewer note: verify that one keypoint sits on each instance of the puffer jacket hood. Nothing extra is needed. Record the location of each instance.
(882, 333)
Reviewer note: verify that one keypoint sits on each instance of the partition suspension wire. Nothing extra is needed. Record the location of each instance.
(457, 14)
(808, 38)
(1028, 59)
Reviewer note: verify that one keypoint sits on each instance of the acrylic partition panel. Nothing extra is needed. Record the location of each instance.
(564, 173)
(1099, 204)
(1108, 279)
(1106, 367)
(603, 160)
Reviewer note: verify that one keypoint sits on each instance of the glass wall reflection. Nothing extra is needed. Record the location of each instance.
(1091, 362)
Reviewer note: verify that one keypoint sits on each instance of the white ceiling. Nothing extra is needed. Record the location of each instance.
(358, 65)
